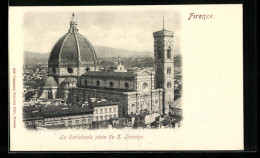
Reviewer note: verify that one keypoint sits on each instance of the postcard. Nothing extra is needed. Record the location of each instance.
(126, 78)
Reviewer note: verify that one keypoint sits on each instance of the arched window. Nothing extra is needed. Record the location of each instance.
(49, 94)
(111, 84)
(70, 70)
(126, 85)
(169, 52)
(53, 70)
(169, 70)
(145, 85)
(87, 69)
(98, 83)
(159, 84)
(159, 52)
(159, 71)
(169, 84)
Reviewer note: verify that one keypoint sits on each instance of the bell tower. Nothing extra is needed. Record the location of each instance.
(164, 65)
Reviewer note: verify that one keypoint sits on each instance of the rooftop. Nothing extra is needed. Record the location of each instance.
(114, 118)
(30, 112)
(177, 104)
(69, 79)
(110, 74)
(96, 88)
(104, 103)
(163, 32)
(54, 111)
(72, 49)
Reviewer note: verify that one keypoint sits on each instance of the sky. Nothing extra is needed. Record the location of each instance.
(128, 28)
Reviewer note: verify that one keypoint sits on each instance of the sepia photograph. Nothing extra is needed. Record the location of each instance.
(126, 78)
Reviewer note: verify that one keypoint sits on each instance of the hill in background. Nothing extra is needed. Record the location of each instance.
(34, 58)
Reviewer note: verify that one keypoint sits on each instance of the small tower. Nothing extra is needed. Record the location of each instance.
(164, 65)
(73, 24)
(120, 67)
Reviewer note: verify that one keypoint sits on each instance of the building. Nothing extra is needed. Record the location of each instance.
(74, 76)
(119, 67)
(50, 88)
(133, 90)
(176, 108)
(68, 116)
(71, 56)
(61, 116)
(104, 111)
(164, 65)
(32, 117)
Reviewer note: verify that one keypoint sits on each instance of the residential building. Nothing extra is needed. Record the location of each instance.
(105, 110)
(57, 115)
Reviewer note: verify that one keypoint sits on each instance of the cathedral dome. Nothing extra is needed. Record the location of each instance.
(73, 50)
(50, 82)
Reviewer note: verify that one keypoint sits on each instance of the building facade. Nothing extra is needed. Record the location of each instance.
(57, 116)
(104, 111)
(133, 90)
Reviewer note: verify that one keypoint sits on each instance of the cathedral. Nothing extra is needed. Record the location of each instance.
(74, 76)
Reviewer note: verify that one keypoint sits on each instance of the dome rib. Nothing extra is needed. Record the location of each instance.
(85, 46)
(56, 49)
(95, 55)
(68, 48)
(76, 38)
(62, 45)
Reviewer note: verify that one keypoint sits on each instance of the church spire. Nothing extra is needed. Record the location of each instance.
(72, 16)
(163, 22)
(73, 24)
(119, 62)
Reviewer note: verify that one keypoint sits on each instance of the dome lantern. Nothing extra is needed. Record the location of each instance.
(73, 25)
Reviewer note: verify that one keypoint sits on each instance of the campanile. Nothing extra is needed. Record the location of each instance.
(164, 65)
